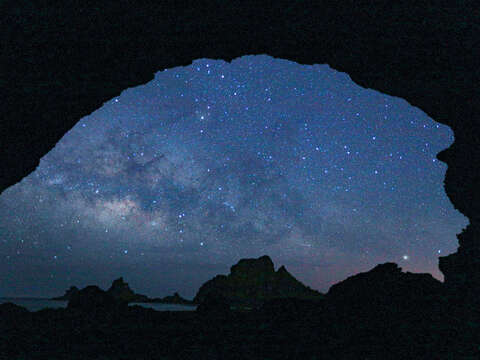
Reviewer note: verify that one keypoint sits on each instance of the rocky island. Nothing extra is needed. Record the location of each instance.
(120, 291)
(252, 282)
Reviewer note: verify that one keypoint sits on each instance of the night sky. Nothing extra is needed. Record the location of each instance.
(173, 182)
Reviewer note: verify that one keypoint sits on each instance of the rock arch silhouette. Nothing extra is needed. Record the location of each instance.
(62, 62)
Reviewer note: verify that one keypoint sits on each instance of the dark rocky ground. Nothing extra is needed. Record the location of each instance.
(396, 322)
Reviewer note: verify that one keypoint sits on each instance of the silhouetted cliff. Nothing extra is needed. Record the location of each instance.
(121, 290)
(385, 290)
(254, 281)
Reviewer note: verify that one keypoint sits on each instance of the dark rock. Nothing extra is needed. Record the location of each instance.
(121, 291)
(176, 299)
(253, 281)
(252, 268)
(291, 308)
(385, 287)
(219, 284)
(288, 286)
(68, 294)
(13, 319)
(214, 303)
(92, 299)
(10, 310)
(462, 268)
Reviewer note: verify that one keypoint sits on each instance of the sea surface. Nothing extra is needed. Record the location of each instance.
(35, 304)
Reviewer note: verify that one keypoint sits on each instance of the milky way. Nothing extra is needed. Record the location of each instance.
(174, 181)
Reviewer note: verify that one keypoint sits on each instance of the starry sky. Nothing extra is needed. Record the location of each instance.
(174, 181)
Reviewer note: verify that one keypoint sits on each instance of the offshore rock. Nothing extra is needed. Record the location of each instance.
(251, 282)
(172, 299)
(121, 291)
(94, 300)
(68, 294)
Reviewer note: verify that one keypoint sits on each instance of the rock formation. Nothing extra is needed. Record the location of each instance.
(173, 299)
(462, 268)
(121, 291)
(385, 287)
(254, 281)
(214, 304)
(68, 294)
(12, 311)
(93, 300)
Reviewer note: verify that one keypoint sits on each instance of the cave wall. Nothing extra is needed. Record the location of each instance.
(61, 61)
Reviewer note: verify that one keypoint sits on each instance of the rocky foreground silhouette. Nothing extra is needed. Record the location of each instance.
(380, 314)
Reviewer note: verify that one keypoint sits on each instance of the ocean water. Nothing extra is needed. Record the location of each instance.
(35, 304)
